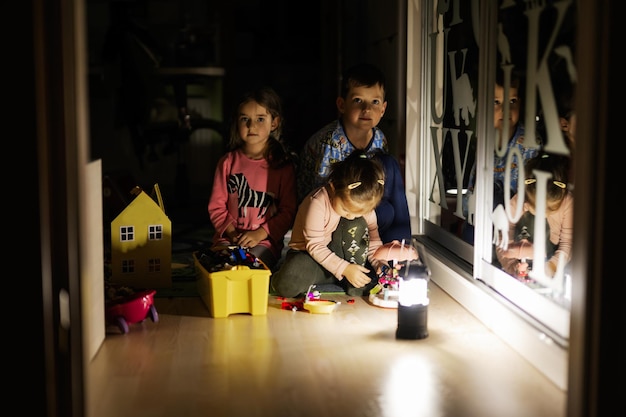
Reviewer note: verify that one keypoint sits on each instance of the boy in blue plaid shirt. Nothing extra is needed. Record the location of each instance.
(361, 105)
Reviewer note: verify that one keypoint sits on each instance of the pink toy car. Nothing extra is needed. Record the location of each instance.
(133, 308)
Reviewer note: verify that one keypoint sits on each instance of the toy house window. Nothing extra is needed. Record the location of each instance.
(127, 233)
(154, 265)
(155, 232)
(128, 266)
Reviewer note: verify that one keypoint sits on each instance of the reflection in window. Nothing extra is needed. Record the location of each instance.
(536, 215)
(497, 94)
(453, 85)
(537, 245)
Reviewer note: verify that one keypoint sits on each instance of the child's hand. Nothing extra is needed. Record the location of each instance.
(232, 235)
(356, 275)
(252, 238)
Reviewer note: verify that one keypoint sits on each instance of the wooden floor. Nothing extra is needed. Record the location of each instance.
(299, 364)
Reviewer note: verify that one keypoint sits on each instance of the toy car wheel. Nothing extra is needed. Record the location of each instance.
(154, 316)
(122, 324)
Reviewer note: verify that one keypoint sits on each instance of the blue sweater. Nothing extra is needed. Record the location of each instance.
(394, 222)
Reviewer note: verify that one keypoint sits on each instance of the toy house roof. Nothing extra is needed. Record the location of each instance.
(149, 208)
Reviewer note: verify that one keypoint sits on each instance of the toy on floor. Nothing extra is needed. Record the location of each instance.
(397, 254)
(312, 302)
(125, 306)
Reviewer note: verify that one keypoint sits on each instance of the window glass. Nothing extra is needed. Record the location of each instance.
(497, 143)
(451, 105)
(530, 155)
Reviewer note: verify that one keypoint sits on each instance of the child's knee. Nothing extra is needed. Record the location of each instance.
(283, 282)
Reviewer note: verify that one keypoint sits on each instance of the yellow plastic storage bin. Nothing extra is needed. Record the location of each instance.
(238, 290)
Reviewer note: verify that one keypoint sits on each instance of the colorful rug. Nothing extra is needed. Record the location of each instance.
(186, 239)
(183, 277)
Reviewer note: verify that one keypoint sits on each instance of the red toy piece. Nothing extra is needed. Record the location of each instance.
(293, 306)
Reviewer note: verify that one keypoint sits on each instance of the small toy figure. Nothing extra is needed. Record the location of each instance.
(311, 302)
(397, 254)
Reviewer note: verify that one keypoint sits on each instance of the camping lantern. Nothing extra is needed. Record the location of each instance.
(413, 301)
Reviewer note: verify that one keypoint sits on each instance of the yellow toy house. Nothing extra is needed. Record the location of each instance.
(141, 243)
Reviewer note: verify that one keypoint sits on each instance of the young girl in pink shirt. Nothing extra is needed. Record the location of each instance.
(517, 258)
(335, 234)
(253, 201)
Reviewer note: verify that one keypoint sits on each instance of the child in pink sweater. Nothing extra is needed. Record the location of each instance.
(517, 258)
(335, 233)
(253, 201)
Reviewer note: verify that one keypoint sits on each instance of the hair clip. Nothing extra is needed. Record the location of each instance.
(381, 182)
(354, 185)
(559, 184)
(363, 156)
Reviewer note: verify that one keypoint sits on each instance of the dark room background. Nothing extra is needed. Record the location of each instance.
(298, 49)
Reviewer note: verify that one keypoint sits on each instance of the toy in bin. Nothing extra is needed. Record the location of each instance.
(125, 306)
